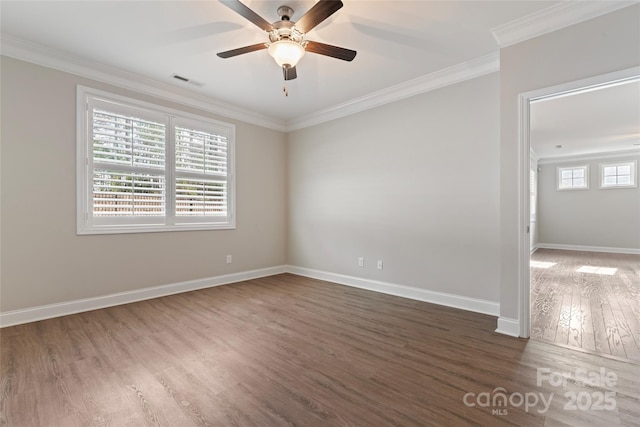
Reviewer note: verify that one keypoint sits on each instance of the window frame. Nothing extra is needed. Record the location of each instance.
(86, 223)
(564, 168)
(634, 175)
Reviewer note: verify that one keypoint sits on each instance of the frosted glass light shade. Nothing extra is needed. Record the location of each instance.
(286, 52)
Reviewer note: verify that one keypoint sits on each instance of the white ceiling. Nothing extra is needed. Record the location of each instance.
(397, 41)
(587, 122)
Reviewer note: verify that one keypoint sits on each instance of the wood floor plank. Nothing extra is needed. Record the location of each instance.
(576, 317)
(625, 328)
(601, 339)
(612, 329)
(288, 350)
(605, 300)
(564, 322)
(196, 399)
(158, 406)
(588, 337)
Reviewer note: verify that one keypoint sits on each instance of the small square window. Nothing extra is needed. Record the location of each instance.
(618, 175)
(573, 178)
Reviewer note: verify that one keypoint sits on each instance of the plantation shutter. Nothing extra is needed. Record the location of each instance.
(129, 161)
(143, 167)
(201, 173)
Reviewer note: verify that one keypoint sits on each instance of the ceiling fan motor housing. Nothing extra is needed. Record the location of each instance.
(285, 13)
(285, 30)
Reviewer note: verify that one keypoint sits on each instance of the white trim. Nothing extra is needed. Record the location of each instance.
(534, 156)
(33, 314)
(554, 18)
(592, 156)
(23, 50)
(16, 317)
(633, 251)
(524, 153)
(440, 298)
(507, 326)
(447, 76)
(15, 47)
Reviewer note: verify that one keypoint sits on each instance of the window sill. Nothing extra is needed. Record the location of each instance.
(124, 229)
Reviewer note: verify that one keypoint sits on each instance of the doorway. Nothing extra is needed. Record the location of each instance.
(563, 314)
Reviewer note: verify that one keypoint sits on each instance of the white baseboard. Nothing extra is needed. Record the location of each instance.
(632, 251)
(42, 312)
(33, 314)
(440, 298)
(508, 326)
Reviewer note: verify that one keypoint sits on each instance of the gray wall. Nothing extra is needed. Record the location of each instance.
(598, 46)
(414, 183)
(44, 261)
(594, 217)
(378, 184)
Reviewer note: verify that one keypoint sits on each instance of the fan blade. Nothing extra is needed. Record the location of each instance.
(242, 50)
(290, 73)
(247, 13)
(318, 13)
(332, 51)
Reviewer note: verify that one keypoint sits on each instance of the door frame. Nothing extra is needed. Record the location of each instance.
(524, 165)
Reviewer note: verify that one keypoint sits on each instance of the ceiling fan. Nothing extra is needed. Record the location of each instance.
(287, 43)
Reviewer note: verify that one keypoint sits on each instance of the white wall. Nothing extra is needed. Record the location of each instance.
(595, 47)
(606, 218)
(414, 183)
(45, 262)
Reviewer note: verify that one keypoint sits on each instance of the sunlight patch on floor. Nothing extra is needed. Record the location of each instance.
(607, 271)
(541, 264)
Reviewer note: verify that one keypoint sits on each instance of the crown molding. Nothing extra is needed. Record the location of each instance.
(34, 53)
(465, 71)
(23, 50)
(556, 17)
(591, 156)
(533, 155)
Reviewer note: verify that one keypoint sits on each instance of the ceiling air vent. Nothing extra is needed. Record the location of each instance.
(187, 80)
(184, 79)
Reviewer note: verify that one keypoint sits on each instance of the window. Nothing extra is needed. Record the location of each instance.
(143, 167)
(618, 175)
(573, 178)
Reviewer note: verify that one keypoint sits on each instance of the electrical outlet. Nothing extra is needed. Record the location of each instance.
(229, 259)
(361, 262)
(379, 265)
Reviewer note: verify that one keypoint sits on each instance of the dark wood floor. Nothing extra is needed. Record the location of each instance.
(288, 350)
(596, 309)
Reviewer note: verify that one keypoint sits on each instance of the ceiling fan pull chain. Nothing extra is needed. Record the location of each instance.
(284, 89)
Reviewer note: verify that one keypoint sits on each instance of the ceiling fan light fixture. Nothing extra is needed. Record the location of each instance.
(286, 52)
